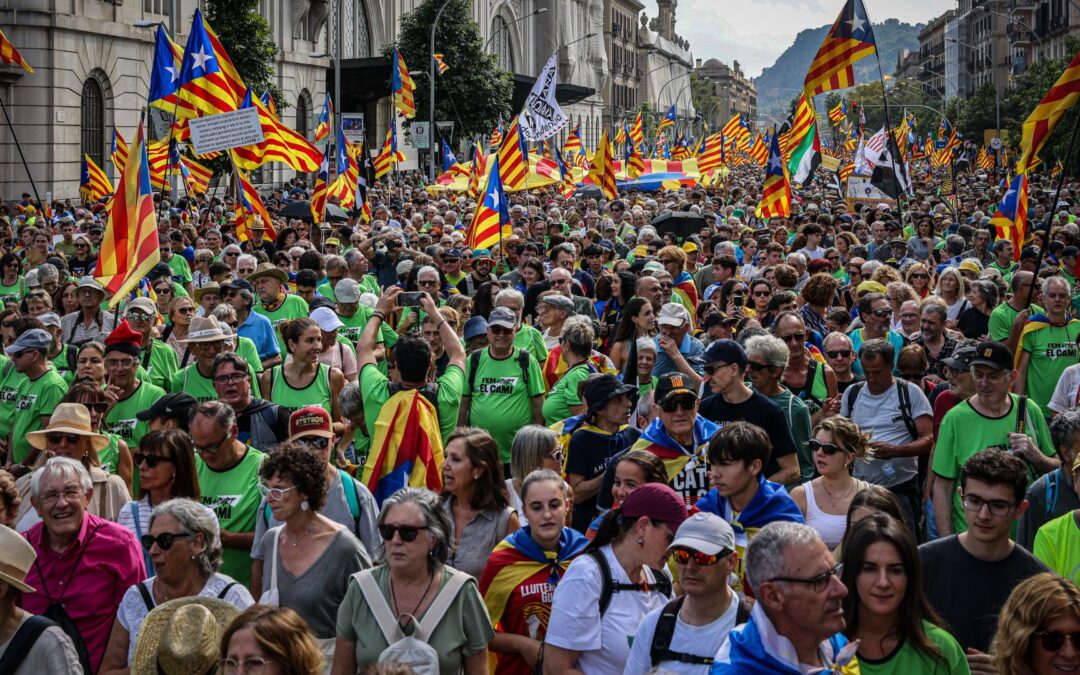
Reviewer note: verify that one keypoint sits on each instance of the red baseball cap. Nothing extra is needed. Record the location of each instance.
(656, 501)
(310, 421)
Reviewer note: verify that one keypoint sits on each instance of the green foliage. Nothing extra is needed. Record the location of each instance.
(1025, 93)
(979, 113)
(704, 99)
(475, 91)
(249, 41)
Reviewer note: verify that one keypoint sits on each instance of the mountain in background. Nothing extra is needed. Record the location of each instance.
(782, 81)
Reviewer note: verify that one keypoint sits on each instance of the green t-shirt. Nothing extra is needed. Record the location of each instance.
(1052, 349)
(33, 400)
(13, 293)
(121, 419)
(1006, 272)
(907, 660)
(235, 499)
(292, 307)
(317, 392)
(180, 269)
(10, 379)
(531, 339)
(60, 364)
(354, 326)
(564, 395)
(798, 417)
(110, 457)
(160, 365)
(1001, 320)
(1057, 544)
(501, 401)
(375, 392)
(191, 381)
(246, 348)
(965, 431)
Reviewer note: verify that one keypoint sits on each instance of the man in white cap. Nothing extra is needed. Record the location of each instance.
(677, 347)
(29, 644)
(338, 352)
(90, 322)
(689, 630)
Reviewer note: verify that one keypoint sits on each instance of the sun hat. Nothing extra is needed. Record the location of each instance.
(181, 637)
(204, 329)
(16, 558)
(209, 287)
(266, 269)
(68, 418)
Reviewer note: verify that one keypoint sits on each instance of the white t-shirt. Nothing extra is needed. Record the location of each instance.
(1065, 392)
(880, 414)
(697, 640)
(52, 653)
(576, 624)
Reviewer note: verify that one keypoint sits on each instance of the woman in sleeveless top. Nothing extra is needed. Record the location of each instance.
(637, 320)
(475, 499)
(810, 380)
(837, 444)
(303, 381)
(181, 311)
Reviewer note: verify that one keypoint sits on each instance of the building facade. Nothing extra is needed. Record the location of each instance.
(666, 64)
(736, 92)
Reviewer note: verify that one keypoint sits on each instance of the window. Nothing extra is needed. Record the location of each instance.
(302, 115)
(500, 43)
(93, 121)
(161, 7)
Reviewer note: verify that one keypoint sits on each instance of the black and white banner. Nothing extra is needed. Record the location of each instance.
(542, 117)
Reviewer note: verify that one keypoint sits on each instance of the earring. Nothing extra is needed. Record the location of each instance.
(305, 506)
(641, 542)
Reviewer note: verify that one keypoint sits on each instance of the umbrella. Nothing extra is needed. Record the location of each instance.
(589, 191)
(301, 210)
(680, 223)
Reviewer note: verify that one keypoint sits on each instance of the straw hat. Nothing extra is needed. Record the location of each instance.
(16, 558)
(266, 269)
(68, 418)
(204, 329)
(211, 287)
(181, 637)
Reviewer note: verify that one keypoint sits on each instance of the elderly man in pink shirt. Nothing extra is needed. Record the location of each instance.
(84, 563)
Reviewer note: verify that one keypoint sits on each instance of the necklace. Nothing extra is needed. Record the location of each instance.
(393, 596)
(837, 498)
(296, 538)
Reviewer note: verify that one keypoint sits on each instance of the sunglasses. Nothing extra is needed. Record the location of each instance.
(407, 532)
(762, 294)
(882, 313)
(101, 407)
(163, 290)
(151, 460)
(754, 365)
(164, 541)
(713, 367)
(556, 456)
(186, 310)
(839, 353)
(672, 404)
(828, 448)
(684, 555)
(1054, 640)
(794, 337)
(317, 442)
(920, 276)
(55, 438)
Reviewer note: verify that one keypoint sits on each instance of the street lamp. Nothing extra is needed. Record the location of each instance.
(431, 90)
(1011, 19)
(993, 75)
(506, 26)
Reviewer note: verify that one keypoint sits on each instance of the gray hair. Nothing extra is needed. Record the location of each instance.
(578, 334)
(771, 348)
(565, 247)
(47, 271)
(646, 344)
(195, 518)
(335, 262)
(428, 270)
(955, 244)
(222, 413)
(532, 443)
(987, 289)
(246, 258)
(539, 476)
(935, 308)
(352, 256)
(644, 404)
(224, 312)
(797, 258)
(349, 400)
(869, 267)
(435, 519)
(509, 294)
(1064, 427)
(238, 362)
(765, 555)
(836, 335)
(1044, 286)
(64, 467)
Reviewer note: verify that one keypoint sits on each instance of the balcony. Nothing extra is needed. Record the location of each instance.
(1018, 35)
(1025, 5)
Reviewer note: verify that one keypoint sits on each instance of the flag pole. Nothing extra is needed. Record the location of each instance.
(22, 157)
(1050, 212)
(889, 130)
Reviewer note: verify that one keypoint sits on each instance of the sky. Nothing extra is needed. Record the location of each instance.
(756, 32)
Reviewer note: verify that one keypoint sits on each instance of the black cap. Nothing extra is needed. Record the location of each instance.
(961, 358)
(159, 270)
(669, 385)
(602, 389)
(238, 284)
(1070, 252)
(726, 351)
(1029, 253)
(716, 319)
(171, 406)
(993, 354)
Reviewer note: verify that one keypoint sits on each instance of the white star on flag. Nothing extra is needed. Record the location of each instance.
(774, 163)
(856, 24)
(173, 75)
(201, 58)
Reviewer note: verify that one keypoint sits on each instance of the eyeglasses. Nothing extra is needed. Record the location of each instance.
(204, 449)
(684, 555)
(274, 494)
(122, 363)
(555, 456)
(999, 508)
(186, 310)
(1054, 640)
(755, 366)
(55, 438)
(882, 313)
(794, 337)
(151, 460)
(406, 532)
(828, 448)
(255, 665)
(317, 442)
(855, 271)
(137, 317)
(818, 583)
(164, 541)
(672, 404)
(713, 367)
(69, 495)
(231, 378)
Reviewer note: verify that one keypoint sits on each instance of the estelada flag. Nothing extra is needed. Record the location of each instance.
(1011, 216)
(492, 218)
(406, 447)
(850, 39)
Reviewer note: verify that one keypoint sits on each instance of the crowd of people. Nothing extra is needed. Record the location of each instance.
(845, 441)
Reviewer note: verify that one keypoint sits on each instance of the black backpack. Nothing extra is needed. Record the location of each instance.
(58, 615)
(474, 363)
(660, 650)
(609, 587)
(902, 393)
(22, 642)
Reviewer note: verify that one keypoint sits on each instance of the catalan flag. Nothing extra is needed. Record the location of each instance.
(476, 174)
(268, 101)
(497, 135)
(491, 221)
(130, 245)
(93, 183)
(603, 167)
(406, 446)
(402, 86)
(441, 65)
(322, 187)
(668, 120)
(165, 77)
(280, 143)
(1011, 217)
(838, 113)
(119, 151)
(1058, 167)
(573, 141)
(326, 119)
(1042, 120)
(248, 200)
(348, 170)
(208, 79)
(849, 40)
(635, 163)
(389, 156)
(759, 151)
(712, 153)
(984, 160)
(566, 176)
(196, 176)
(157, 154)
(10, 56)
(513, 160)
(846, 170)
(776, 191)
(637, 132)
(737, 132)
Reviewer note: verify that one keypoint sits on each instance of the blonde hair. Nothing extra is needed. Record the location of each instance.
(674, 252)
(885, 275)
(1034, 602)
(282, 635)
(847, 435)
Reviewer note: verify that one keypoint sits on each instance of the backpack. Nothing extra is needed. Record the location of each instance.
(148, 599)
(902, 393)
(22, 642)
(474, 364)
(660, 650)
(351, 498)
(608, 586)
(58, 615)
(410, 650)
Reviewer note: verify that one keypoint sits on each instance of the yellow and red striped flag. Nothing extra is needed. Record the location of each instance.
(603, 167)
(513, 162)
(93, 183)
(1042, 120)
(759, 152)
(326, 119)
(208, 79)
(130, 245)
(196, 176)
(402, 87)
(850, 39)
(280, 143)
(846, 170)
(573, 141)
(389, 156)
(119, 151)
(322, 188)
(1011, 216)
(712, 154)
(637, 132)
(776, 191)
(10, 56)
(441, 64)
(476, 174)
(157, 155)
(492, 218)
(249, 206)
(838, 114)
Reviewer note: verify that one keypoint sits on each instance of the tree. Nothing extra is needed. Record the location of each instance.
(979, 113)
(704, 99)
(1026, 91)
(249, 41)
(475, 92)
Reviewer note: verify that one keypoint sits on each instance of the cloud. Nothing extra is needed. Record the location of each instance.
(756, 33)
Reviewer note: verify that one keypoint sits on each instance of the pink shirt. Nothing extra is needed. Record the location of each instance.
(90, 577)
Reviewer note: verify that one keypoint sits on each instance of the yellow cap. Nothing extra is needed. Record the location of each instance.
(690, 247)
(869, 287)
(641, 251)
